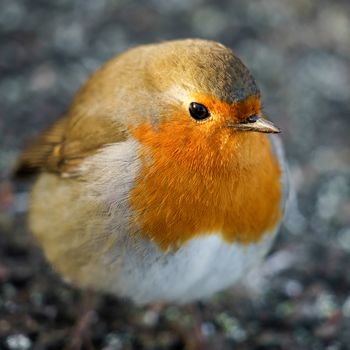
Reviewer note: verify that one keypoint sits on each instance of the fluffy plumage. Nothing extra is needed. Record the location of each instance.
(133, 193)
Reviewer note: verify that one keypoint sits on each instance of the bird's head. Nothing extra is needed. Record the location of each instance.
(193, 97)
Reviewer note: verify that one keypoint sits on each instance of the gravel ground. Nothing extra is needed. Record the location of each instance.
(299, 52)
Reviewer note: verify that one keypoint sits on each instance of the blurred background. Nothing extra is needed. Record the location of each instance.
(299, 53)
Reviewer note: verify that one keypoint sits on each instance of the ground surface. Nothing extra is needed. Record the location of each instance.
(299, 53)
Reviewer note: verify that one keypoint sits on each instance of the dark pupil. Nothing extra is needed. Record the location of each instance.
(252, 119)
(198, 111)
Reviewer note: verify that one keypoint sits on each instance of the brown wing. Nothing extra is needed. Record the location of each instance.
(62, 147)
(90, 123)
(44, 153)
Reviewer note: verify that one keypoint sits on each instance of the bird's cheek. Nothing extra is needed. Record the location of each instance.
(220, 135)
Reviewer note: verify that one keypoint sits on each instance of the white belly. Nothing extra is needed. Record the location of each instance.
(196, 271)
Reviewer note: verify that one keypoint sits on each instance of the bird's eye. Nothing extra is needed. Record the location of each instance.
(252, 119)
(198, 111)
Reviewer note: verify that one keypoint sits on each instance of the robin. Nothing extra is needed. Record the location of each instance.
(160, 183)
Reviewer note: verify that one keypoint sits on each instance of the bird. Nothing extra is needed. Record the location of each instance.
(164, 181)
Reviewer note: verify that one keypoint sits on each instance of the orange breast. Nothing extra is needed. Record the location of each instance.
(192, 183)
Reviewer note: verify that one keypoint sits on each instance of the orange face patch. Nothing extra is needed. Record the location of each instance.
(234, 112)
(201, 178)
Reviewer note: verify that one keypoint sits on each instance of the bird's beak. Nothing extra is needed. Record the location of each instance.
(257, 124)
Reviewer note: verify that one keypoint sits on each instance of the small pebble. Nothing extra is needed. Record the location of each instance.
(325, 305)
(18, 342)
(150, 318)
(208, 329)
(293, 288)
(113, 342)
